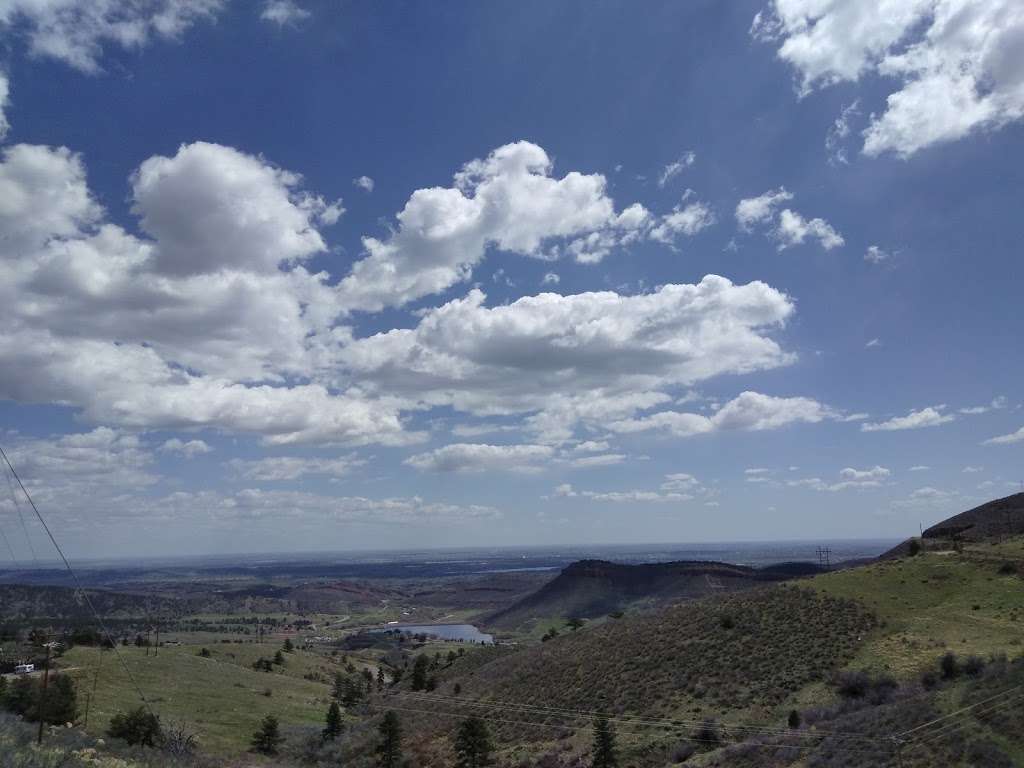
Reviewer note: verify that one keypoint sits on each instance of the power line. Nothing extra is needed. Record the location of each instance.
(78, 584)
(953, 726)
(751, 730)
(906, 733)
(17, 506)
(695, 739)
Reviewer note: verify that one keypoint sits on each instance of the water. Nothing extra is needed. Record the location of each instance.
(461, 632)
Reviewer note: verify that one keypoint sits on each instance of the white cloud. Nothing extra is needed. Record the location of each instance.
(62, 469)
(283, 12)
(956, 62)
(849, 478)
(787, 226)
(189, 449)
(479, 457)
(929, 499)
(365, 183)
(508, 201)
(750, 411)
(794, 229)
(587, 357)
(1013, 437)
(688, 220)
(126, 330)
(920, 468)
(591, 446)
(837, 134)
(973, 470)
(997, 403)
(873, 343)
(600, 460)
(676, 167)
(277, 468)
(212, 207)
(760, 209)
(876, 255)
(677, 487)
(925, 417)
(550, 278)
(75, 31)
(5, 101)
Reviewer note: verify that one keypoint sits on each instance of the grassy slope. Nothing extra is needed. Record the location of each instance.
(221, 699)
(934, 602)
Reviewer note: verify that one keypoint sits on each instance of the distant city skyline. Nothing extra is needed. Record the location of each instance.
(307, 276)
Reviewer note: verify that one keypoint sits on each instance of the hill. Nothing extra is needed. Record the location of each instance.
(592, 588)
(991, 521)
(994, 519)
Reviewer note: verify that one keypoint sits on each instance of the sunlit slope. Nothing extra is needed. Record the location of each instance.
(972, 602)
(220, 699)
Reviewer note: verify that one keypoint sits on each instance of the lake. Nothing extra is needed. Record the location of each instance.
(464, 632)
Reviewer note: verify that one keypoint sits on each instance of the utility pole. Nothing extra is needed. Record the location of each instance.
(42, 693)
(156, 648)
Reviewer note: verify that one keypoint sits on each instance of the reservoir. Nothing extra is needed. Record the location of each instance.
(460, 632)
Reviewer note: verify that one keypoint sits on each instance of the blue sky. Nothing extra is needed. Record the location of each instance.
(310, 276)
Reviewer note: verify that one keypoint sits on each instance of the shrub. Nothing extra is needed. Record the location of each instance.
(948, 665)
(973, 665)
(137, 727)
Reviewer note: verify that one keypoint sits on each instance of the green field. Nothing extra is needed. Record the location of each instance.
(933, 602)
(221, 699)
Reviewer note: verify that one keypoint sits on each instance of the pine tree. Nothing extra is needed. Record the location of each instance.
(473, 744)
(604, 745)
(332, 729)
(279, 658)
(389, 749)
(419, 672)
(288, 646)
(268, 738)
(380, 678)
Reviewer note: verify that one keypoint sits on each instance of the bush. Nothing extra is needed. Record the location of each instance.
(948, 665)
(137, 727)
(973, 665)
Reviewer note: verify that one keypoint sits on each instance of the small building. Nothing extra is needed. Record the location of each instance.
(24, 669)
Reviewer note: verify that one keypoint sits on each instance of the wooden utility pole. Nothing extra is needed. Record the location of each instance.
(42, 693)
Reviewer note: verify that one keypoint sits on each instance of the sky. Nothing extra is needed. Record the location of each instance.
(314, 276)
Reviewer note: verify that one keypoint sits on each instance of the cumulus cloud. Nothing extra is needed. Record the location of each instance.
(676, 167)
(929, 499)
(956, 62)
(212, 207)
(587, 357)
(189, 449)
(5, 96)
(365, 183)
(1012, 437)
(75, 31)
(750, 411)
(760, 209)
(478, 457)
(277, 468)
(198, 327)
(677, 487)
(849, 478)
(794, 229)
(684, 220)
(787, 227)
(59, 469)
(283, 12)
(508, 200)
(925, 417)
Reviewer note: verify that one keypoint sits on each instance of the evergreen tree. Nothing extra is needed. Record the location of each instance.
(419, 672)
(338, 691)
(604, 745)
(332, 729)
(58, 704)
(279, 658)
(794, 719)
(380, 678)
(268, 738)
(389, 749)
(473, 745)
(288, 646)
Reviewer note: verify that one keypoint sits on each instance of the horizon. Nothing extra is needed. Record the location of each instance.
(300, 276)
